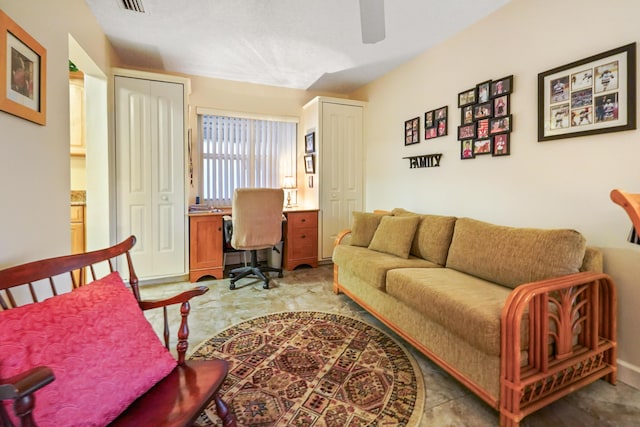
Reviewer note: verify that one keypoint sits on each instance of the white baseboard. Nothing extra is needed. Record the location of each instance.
(629, 374)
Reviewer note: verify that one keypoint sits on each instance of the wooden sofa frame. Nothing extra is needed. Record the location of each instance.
(177, 400)
(581, 328)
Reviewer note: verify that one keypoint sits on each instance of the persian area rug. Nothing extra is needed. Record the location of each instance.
(314, 369)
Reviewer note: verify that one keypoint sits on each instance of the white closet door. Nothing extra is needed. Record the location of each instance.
(341, 173)
(150, 174)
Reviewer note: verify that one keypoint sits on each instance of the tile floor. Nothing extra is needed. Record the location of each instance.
(447, 402)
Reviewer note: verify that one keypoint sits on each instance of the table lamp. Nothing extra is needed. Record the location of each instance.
(290, 187)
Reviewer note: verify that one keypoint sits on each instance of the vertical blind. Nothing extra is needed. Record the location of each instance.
(244, 153)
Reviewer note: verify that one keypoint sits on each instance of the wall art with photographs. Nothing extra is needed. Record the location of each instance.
(436, 123)
(486, 121)
(412, 131)
(590, 96)
(23, 73)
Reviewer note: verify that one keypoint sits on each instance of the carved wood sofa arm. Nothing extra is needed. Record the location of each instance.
(20, 389)
(183, 299)
(571, 322)
(341, 236)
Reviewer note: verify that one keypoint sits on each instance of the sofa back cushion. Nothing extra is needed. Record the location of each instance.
(394, 235)
(364, 227)
(512, 256)
(101, 348)
(433, 236)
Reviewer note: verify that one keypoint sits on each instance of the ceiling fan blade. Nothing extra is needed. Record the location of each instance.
(372, 21)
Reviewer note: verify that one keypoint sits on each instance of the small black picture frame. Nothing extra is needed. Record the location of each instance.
(469, 96)
(310, 163)
(500, 124)
(412, 131)
(466, 115)
(467, 131)
(310, 142)
(501, 145)
(481, 111)
(484, 91)
(502, 86)
(481, 146)
(501, 106)
(466, 149)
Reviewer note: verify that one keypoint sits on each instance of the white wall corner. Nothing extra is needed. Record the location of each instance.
(629, 374)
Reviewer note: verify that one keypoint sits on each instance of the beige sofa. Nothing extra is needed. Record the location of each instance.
(520, 316)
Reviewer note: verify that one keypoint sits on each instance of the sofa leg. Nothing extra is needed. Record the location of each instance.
(506, 421)
(227, 417)
(336, 285)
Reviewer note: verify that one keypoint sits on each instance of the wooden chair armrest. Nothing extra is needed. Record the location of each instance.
(182, 298)
(341, 235)
(176, 299)
(21, 388)
(25, 383)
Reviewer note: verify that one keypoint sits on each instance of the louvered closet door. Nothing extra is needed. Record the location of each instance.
(150, 174)
(341, 174)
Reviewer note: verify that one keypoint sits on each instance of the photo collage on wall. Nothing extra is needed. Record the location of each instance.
(486, 122)
(435, 123)
(584, 97)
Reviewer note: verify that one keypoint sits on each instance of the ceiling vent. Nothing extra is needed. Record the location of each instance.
(133, 5)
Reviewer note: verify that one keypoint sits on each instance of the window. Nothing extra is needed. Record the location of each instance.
(239, 152)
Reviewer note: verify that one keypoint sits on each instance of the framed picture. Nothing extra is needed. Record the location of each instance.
(310, 142)
(431, 133)
(484, 90)
(441, 113)
(482, 128)
(467, 131)
(467, 97)
(309, 163)
(428, 119)
(590, 96)
(501, 145)
(482, 146)
(500, 124)
(467, 115)
(466, 149)
(501, 106)
(442, 127)
(412, 131)
(502, 86)
(480, 111)
(23, 73)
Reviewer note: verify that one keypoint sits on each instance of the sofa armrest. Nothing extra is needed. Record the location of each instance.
(572, 338)
(183, 299)
(20, 389)
(341, 237)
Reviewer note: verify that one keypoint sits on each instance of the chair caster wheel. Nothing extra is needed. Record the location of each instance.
(280, 275)
(266, 285)
(231, 275)
(232, 286)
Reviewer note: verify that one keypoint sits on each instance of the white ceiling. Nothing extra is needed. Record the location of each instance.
(302, 44)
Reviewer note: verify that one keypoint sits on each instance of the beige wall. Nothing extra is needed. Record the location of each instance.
(34, 159)
(564, 183)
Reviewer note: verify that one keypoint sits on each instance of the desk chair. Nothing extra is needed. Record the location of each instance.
(631, 204)
(257, 224)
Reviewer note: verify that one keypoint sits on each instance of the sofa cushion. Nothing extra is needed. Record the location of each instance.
(465, 305)
(101, 348)
(394, 235)
(364, 227)
(371, 266)
(512, 256)
(433, 236)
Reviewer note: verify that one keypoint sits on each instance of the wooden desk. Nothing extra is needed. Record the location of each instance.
(206, 256)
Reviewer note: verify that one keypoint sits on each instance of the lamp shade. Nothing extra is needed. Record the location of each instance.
(289, 183)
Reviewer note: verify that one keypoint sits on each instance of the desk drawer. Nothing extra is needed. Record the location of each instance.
(303, 219)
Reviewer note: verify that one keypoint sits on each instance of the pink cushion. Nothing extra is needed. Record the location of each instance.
(100, 346)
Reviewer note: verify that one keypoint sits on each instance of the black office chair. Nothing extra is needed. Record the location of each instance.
(257, 224)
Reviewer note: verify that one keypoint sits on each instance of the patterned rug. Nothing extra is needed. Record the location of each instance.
(314, 369)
